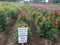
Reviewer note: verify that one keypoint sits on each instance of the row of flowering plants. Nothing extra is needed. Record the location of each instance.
(7, 12)
(47, 22)
(46, 28)
(22, 22)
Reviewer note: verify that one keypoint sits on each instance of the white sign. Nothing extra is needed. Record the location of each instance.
(22, 35)
(22, 39)
(22, 31)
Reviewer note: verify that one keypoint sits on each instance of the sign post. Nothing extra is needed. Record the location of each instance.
(22, 43)
(22, 35)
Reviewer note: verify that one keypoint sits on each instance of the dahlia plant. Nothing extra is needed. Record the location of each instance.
(58, 23)
(46, 29)
(3, 19)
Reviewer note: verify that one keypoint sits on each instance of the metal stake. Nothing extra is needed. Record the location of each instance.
(22, 43)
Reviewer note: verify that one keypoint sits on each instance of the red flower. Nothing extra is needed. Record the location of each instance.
(51, 17)
(46, 19)
(55, 20)
(55, 12)
(39, 14)
(54, 23)
(22, 15)
(41, 17)
(38, 24)
(54, 26)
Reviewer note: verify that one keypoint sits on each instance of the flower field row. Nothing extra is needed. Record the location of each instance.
(47, 7)
(47, 21)
(7, 12)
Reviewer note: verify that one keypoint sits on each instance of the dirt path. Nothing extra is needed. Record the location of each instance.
(1, 38)
(7, 35)
(58, 40)
(33, 38)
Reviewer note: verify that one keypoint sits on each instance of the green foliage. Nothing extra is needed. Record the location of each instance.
(12, 10)
(15, 36)
(38, 19)
(3, 19)
(7, 12)
(58, 23)
(54, 1)
(46, 29)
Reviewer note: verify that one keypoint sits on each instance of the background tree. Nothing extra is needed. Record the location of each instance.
(54, 1)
